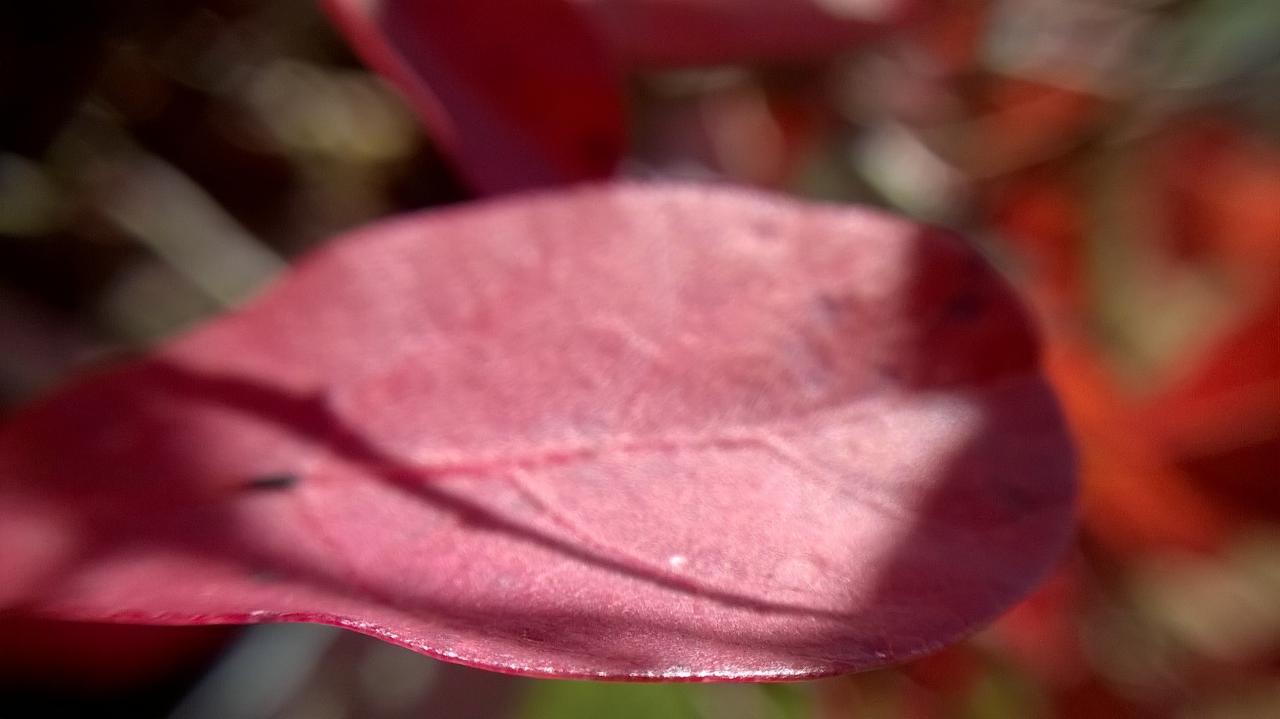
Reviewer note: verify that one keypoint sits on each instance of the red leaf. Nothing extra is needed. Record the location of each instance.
(1225, 396)
(634, 432)
(529, 93)
(1133, 499)
(1219, 184)
(1219, 420)
(521, 94)
(650, 33)
(1042, 215)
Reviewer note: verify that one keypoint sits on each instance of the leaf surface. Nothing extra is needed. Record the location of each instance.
(628, 431)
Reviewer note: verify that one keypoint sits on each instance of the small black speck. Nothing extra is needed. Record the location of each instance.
(272, 482)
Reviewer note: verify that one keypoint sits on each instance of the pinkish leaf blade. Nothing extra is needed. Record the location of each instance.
(631, 432)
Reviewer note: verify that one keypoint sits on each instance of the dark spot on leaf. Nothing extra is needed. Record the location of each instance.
(272, 482)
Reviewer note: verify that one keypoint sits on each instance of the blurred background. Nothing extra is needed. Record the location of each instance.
(1118, 159)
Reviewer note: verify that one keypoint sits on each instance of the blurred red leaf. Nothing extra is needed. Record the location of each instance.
(521, 94)
(649, 33)
(1219, 419)
(1041, 213)
(951, 34)
(951, 672)
(1226, 394)
(627, 432)
(1040, 633)
(527, 94)
(1221, 189)
(1024, 122)
(1095, 697)
(1133, 498)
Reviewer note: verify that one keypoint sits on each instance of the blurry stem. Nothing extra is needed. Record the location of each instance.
(177, 219)
(259, 674)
